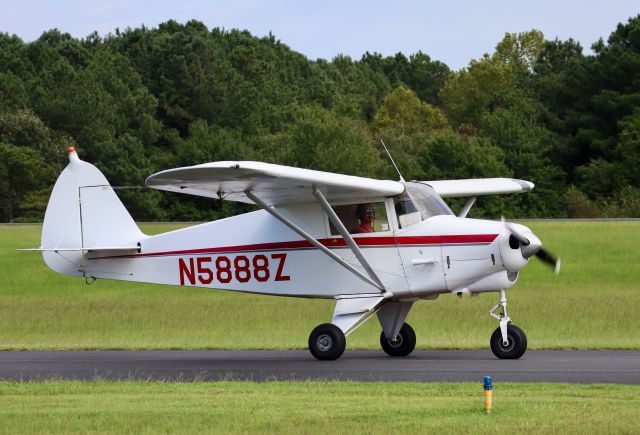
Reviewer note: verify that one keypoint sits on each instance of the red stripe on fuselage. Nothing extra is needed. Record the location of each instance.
(458, 239)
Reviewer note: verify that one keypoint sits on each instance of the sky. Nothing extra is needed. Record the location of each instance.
(453, 31)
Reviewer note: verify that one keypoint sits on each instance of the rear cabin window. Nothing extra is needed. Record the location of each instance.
(361, 218)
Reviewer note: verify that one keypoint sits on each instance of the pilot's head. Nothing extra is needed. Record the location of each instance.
(366, 213)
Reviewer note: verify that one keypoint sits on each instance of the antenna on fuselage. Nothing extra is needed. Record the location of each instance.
(391, 158)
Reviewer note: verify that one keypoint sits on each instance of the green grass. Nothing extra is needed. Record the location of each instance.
(315, 407)
(593, 303)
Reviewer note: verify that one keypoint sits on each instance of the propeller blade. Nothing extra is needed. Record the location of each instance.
(546, 257)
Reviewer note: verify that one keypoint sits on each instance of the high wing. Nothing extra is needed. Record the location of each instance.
(274, 184)
(479, 186)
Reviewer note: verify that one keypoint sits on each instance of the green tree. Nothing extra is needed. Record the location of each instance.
(628, 149)
(405, 123)
(515, 124)
(207, 143)
(31, 156)
(320, 139)
(360, 87)
(591, 101)
(519, 51)
(449, 155)
(422, 75)
(23, 128)
(466, 93)
(15, 71)
(22, 171)
(402, 111)
(562, 85)
(579, 205)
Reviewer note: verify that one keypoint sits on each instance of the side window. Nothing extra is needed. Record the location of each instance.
(361, 218)
(419, 202)
(407, 213)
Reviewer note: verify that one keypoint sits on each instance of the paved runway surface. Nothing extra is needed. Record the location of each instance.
(361, 365)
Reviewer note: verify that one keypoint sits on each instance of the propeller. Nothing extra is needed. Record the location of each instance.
(547, 257)
(531, 245)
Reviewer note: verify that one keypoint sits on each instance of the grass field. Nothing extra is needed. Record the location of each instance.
(315, 407)
(593, 303)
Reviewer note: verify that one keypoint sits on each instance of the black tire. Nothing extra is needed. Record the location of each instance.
(404, 343)
(327, 342)
(517, 343)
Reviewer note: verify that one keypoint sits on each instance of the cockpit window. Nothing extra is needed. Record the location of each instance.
(418, 202)
(370, 217)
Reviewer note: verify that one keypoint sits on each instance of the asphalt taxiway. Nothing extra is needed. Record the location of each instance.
(573, 366)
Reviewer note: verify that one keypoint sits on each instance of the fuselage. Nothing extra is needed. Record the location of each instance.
(255, 252)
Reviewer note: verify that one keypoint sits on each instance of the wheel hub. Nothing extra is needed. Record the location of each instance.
(509, 346)
(325, 342)
(397, 342)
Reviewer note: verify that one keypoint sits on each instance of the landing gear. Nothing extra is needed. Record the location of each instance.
(327, 342)
(403, 344)
(508, 341)
(515, 346)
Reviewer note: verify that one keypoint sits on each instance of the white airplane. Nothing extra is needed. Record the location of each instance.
(409, 244)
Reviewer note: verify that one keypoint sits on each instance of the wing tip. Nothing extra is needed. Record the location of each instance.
(526, 185)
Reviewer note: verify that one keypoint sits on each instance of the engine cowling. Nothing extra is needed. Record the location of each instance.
(517, 245)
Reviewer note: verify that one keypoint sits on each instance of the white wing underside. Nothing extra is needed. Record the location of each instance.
(479, 186)
(274, 184)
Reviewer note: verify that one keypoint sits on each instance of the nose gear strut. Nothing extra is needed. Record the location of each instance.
(508, 341)
(502, 317)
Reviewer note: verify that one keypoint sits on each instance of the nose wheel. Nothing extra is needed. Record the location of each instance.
(515, 346)
(507, 341)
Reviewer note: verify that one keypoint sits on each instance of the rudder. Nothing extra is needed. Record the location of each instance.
(83, 213)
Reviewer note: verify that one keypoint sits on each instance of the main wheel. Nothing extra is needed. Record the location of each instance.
(516, 346)
(327, 342)
(404, 343)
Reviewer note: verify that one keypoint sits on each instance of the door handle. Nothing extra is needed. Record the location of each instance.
(420, 261)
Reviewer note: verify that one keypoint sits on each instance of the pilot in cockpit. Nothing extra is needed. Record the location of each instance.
(366, 214)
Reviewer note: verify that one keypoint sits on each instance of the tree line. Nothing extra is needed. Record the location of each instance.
(146, 99)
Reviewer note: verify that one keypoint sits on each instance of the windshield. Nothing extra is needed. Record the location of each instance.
(417, 203)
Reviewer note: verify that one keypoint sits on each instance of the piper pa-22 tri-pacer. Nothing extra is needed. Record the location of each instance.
(302, 243)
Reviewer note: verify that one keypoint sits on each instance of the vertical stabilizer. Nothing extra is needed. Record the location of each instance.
(84, 213)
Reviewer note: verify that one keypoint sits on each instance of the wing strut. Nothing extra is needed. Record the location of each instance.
(347, 237)
(467, 206)
(271, 210)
